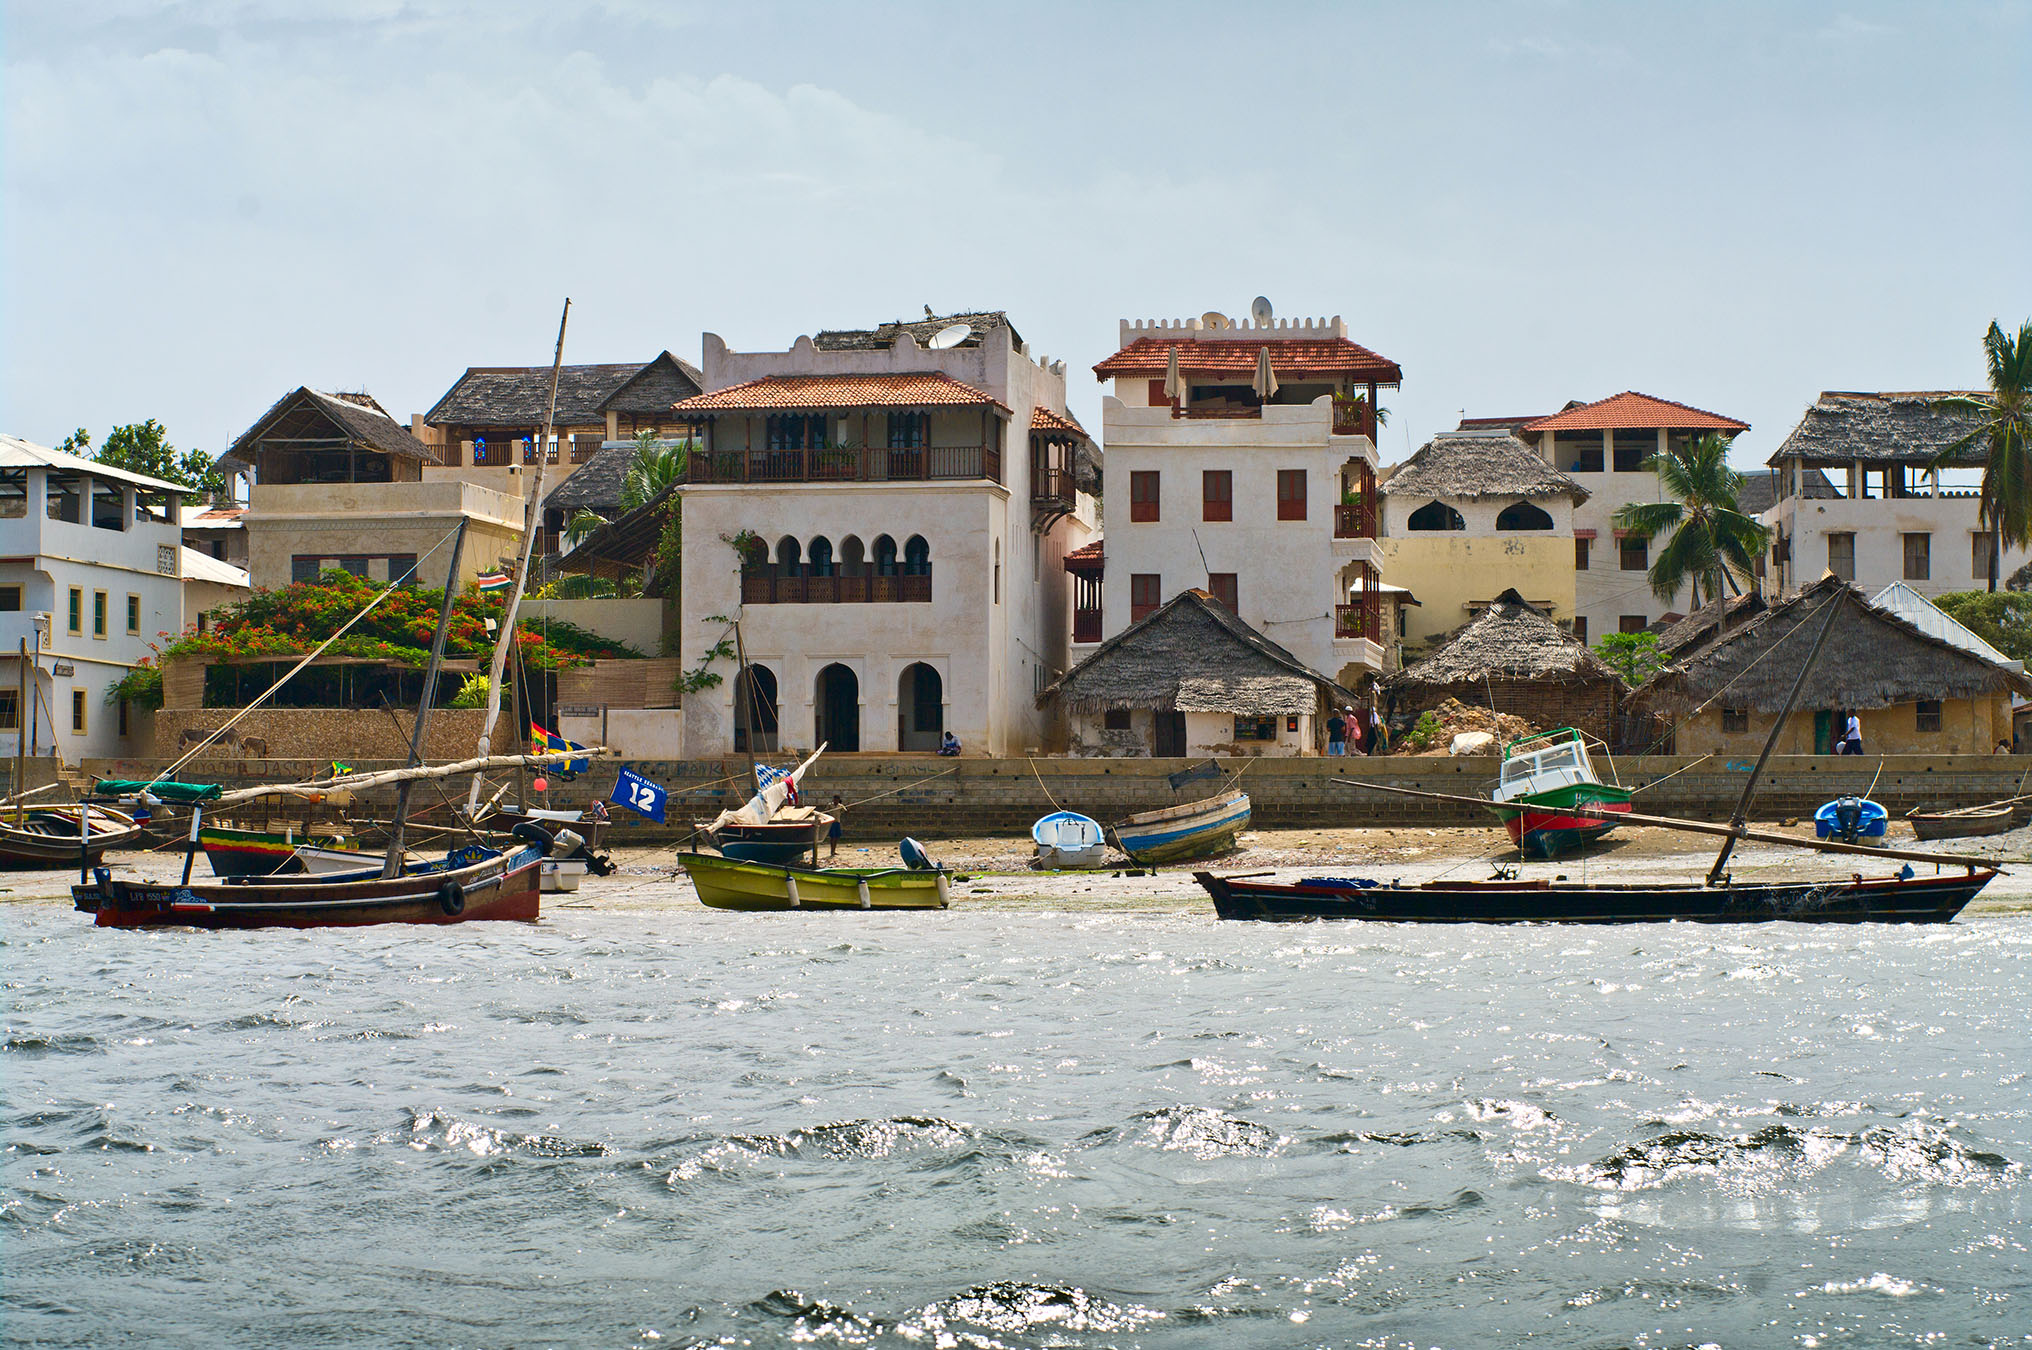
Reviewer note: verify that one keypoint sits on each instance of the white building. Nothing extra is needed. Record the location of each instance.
(90, 575)
(1262, 493)
(1878, 514)
(904, 497)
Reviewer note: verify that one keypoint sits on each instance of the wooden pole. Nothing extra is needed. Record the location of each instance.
(1741, 815)
(748, 699)
(21, 736)
(392, 864)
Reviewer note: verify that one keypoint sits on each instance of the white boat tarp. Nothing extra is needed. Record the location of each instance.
(767, 804)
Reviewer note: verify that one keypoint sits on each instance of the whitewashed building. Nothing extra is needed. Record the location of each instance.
(1261, 492)
(90, 574)
(887, 512)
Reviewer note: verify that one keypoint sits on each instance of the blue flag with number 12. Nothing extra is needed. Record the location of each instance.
(637, 793)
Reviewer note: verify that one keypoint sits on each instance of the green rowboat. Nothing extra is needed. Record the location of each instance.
(730, 883)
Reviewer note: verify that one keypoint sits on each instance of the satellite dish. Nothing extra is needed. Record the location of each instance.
(1213, 318)
(952, 335)
(1259, 309)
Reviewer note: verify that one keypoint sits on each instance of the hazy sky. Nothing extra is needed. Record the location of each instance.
(205, 204)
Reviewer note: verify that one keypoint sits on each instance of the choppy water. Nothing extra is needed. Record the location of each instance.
(1000, 1129)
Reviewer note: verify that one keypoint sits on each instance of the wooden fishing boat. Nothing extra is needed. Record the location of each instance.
(1967, 823)
(258, 853)
(731, 883)
(1544, 777)
(472, 883)
(1067, 839)
(55, 836)
(1900, 898)
(1191, 830)
(784, 838)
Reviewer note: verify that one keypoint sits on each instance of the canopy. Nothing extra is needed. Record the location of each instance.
(186, 793)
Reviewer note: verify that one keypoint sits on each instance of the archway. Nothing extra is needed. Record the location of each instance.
(920, 708)
(916, 557)
(1436, 516)
(1523, 516)
(836, 702)
(853, 556)
(885, 556)
(787, 552)
(821, 555)
(757, 717)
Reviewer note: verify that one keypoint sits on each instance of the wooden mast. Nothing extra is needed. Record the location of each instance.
(21, 737)
(392, 864)
(748, 701)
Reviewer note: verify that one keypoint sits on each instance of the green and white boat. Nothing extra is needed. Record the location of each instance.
(1544, 777)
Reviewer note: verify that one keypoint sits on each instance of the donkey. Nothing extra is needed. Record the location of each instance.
(229, 739)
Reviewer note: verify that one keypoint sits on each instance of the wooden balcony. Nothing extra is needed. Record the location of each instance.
(1052, 485)
(1359, 621)
(765, 587)
(1086, 625)
(1354, 419)
(1354, 522)
(936, 463)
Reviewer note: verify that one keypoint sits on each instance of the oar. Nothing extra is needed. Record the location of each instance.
(1698, 827)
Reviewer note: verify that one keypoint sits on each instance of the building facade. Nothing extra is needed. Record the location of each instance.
(90, 576)
(1256, 485)
(886, 511)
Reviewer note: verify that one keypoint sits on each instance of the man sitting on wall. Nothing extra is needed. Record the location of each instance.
(950, 745)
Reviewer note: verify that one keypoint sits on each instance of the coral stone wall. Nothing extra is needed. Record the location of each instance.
(347, 734)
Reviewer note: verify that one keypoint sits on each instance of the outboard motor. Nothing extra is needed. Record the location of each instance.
(915, 858)
(569, 843)
(1848, 819)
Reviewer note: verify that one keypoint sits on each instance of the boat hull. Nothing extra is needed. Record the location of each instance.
(1968, 825)
(247, 853)
(48, 836)
(1882, 900)
(777, 842)
(499, 888)
(731, 883)
(1540, 824)
(1194, 830)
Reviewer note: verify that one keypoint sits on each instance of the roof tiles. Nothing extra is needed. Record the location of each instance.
(1289, 357)
(812, 392)
(1632, 409)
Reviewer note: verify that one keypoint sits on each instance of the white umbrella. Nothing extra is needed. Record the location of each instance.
(1265, 383)
(1174, 383)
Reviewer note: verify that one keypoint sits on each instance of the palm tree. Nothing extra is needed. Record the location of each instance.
(2005, 430)
(581, 523)
(1712, 542)
(658, 464)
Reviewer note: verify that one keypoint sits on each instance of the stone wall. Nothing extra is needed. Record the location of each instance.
(320, 735)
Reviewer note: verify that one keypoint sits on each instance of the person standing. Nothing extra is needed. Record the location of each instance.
(1357, 738)
(1852, 739)
(837, 811)
(1336, 734)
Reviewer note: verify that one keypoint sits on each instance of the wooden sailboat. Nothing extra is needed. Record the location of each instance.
(765, 829)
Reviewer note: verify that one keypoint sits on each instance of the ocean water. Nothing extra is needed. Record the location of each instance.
(681, 1128)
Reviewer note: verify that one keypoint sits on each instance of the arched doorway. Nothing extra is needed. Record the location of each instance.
(836, 701)
(920, 708)
(757, 718)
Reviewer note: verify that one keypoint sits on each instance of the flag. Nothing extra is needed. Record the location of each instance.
(541, 741)
(768, 775)
(493, 581)
(637, 793)
(340, 770)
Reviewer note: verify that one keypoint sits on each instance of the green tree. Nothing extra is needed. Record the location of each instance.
(1712, 540)
(657, 465)
(581, 524)
(143, 447)
(1635, 656)
(2001, 618)
(2005, 434)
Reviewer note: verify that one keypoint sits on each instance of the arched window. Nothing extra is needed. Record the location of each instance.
(754, 553)
(1436, 516)
(885, 556)
(1523, 516)
(853, 556)
(821, 555)
(787, 552)
(916, 557)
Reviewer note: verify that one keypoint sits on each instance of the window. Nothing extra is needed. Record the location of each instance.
(133, 613)
(998, 572)
(78, 711)
(1587, 451)
(165, 559)
(109, 505)
(66, 496)
(1926, 715)
(1255, 728)
(77, 611)
(1224, 588)
(1580, 629)
(1523, 516)
(402, 569)
(916, 557)
(1435, 516)
(1635, 551)
(907, 431)
(1633, 448)
(1143, 495)
(1841, 555)
(302, 569)
(1580, 548)
(1146, 593)
(1291, 494)
(10, 597)
(1735, 719)
(1217, 494)
(1115, 719)
(98, 614)
(10, 710)
(1979, 555)
(1918, 556)
(796, 432)
(1631, 623)
(13, 494)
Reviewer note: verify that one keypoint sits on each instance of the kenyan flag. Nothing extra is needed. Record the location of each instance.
(493, 581)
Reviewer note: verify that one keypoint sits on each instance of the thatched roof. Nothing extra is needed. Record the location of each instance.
(621, 544)
(1193, 655)
(595, 484)
(1873, 659)
(1698, 628)
(1480, 464)
(1511, 641)
(883, 335)
(1892, 428)
(517, 396)
(351, 417)
(1760, 489)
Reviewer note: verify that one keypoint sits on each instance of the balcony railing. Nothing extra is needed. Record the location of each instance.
(1359, 621)
(1052, 485)
(766, 587)
(1354, 522)
(1354, 419)
(920, 464)
(1086, 625)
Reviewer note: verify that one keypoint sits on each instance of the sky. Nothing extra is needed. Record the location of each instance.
(206, 203)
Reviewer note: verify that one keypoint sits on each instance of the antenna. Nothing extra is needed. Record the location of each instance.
(1260, 311)
(952, 335)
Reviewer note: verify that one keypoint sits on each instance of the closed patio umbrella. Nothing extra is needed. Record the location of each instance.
(1265, 383)
(1174, 383)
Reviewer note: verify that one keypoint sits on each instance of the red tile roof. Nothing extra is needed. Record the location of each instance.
(929, 390)
(1632, 409)
(1289, 357)
(1044, 419)
(1089, 559)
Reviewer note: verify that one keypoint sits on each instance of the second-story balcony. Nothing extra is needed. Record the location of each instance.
(1086, 625)
(1357, 521)
(936, 463)
(768, 586)
(1361, 620)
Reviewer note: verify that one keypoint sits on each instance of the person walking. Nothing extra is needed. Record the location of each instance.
(838, 811)
(1336, 734)
(1852, 739)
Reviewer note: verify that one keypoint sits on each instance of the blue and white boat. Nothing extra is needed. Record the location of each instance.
(1192, 830)
(1853, 820)
(1069, 839)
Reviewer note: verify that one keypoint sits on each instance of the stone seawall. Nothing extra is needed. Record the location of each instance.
(892, 795)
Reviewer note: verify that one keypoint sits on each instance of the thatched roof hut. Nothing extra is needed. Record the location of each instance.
(1472, 464)
(1849, 427)
(1194, 655)
(1515, 660)
(1873, 659)
(1699, 628)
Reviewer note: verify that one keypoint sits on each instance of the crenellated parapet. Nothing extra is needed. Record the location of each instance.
(1198, 329)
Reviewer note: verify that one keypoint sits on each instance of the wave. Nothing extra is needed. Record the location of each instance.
(1918, 1151)
(1198, 1130)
